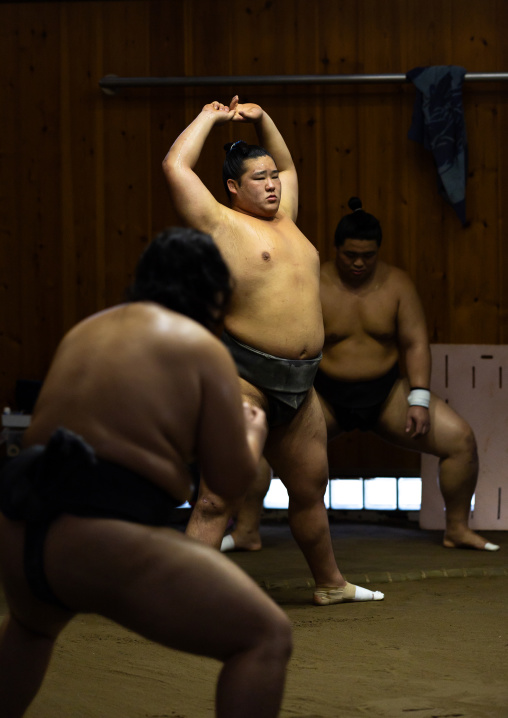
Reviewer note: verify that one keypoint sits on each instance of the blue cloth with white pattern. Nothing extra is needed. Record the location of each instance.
(438, 123)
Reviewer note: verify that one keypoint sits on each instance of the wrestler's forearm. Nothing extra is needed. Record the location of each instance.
(418, 365)
(186, 149)
(271, 139)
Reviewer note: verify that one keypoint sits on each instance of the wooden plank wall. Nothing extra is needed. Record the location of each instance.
(82, 189)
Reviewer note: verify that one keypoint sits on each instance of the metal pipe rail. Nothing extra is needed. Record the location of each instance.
(110, 83)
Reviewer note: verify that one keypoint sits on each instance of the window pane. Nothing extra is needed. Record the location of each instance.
(277, 496)
(380, 493)
(410, 493)
(346, 493)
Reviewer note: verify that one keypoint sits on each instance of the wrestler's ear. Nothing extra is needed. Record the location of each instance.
(232, 186)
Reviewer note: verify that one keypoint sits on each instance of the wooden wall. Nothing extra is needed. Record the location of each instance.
(81, 184)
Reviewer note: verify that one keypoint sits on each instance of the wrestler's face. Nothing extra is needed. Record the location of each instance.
(258, 190)
(356, 260)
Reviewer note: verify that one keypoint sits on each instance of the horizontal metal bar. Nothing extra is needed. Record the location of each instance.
(113, 82)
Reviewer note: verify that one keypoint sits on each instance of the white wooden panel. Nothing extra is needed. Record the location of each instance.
(473, 379)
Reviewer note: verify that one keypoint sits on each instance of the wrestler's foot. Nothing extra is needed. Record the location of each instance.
(468, 539)
(325, 595)
(235, 543)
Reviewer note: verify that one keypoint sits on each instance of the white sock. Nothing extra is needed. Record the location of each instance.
(363, 594)
(491, 547)
(228, 543)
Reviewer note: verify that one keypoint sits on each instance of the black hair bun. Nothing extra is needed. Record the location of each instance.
(354, 204)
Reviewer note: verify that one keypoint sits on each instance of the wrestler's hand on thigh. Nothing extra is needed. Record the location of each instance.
(417, 421)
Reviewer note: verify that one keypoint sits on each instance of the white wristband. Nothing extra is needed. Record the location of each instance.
(419, 397)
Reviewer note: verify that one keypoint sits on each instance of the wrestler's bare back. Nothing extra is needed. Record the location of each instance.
(276, 306)
(361, 322)
(135, 382)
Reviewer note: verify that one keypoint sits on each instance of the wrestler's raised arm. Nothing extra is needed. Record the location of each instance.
(271, 139)
(231, 435)
(414, 346)
(193, 201)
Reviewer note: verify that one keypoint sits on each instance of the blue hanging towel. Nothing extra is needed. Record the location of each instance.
(438, 123)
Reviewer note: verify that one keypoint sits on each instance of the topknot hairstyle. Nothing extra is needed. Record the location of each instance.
(234, 163)
(183, 270)
(358, 225)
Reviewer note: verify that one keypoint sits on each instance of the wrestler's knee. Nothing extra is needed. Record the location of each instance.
(308, 492)
(277, 628)
(209, 504)
(270, 635)
(462, 443)
(278, 636)
(469, 444)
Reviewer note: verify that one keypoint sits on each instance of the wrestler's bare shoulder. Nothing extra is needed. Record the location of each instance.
(138, 317)
(172, 332)
(160, 331)
(395, 277)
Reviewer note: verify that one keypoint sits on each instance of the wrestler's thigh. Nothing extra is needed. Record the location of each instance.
(297, 452)
(332, 427)
(447, 428)
(159, 583)
(392, 418)
(253, 395)
(43, 618)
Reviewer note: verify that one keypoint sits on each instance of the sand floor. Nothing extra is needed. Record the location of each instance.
(437, 646)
